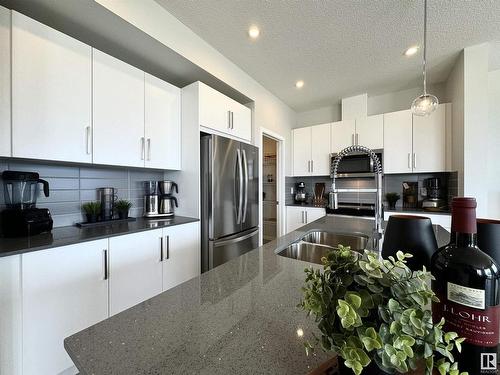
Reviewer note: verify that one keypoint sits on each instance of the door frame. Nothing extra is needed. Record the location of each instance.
(280, 182)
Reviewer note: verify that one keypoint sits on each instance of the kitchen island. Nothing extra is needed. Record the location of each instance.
(239, 318)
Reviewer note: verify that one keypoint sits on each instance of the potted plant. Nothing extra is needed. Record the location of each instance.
(92, 211)
(122, 206)
(375, 312)
(392, 198)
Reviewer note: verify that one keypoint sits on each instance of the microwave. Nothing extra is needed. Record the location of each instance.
(355, 165)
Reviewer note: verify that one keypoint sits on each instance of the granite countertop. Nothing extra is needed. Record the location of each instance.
(418, 211)
(304, 205)
(239, 318)
(70, 235)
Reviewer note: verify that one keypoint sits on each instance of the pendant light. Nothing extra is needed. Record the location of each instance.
(426, 103)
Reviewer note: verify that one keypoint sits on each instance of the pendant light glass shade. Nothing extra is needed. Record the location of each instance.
(426, 103)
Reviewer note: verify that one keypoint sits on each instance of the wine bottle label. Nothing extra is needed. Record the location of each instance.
(466, 296)
(479, 326)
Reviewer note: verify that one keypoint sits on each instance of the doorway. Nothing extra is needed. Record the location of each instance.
(270, 192)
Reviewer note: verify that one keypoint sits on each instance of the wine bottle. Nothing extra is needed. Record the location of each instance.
(467, 285)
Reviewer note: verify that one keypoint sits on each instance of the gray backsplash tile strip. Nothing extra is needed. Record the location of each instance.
(70, 186)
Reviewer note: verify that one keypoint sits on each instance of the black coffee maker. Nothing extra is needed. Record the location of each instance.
(22, 218)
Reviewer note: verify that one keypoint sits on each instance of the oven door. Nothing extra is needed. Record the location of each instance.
(356, 165)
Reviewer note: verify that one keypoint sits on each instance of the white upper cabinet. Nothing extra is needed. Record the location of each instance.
(4, 82)
(320, 150)
(429, 141)
(162, 124)
(398, 142)
(223, 114)
(301, 151)
(370, 132)
(118, 103)
(51, 93)
(181, 254)
(135, 269)
(64, 290)
(342, 135)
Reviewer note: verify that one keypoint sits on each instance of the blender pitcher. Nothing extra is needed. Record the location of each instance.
(21, 189)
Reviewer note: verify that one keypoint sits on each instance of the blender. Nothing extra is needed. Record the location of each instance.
(22, 218)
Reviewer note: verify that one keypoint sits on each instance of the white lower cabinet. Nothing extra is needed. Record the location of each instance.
(298, 216)
(181, 254)
(135, 269)
(63, 291)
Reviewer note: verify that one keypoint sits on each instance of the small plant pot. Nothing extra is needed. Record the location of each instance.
(91, 218)
(123, 214)
(392, 205)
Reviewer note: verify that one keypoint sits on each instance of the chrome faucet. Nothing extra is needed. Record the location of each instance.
(379, 209)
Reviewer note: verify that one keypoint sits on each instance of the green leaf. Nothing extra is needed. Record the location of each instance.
(448, 336)
(443, 368)
(353, 299)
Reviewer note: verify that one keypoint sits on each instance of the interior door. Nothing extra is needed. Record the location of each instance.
(227, 187)
(250, 210)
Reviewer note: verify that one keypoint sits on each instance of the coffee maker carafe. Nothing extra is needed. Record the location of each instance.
(167, 200)
(22, 218)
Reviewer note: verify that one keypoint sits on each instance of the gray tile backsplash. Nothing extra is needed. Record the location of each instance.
(391, 183)
(70, 186)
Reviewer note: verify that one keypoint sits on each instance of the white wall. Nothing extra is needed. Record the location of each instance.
(493, 144)
(154, 20)
(377, 104)
(454, 93)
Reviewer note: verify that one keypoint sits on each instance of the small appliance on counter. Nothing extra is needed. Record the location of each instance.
(158, 199)
(434, 200)
(22, 218)
(107, 196)
(300, 193)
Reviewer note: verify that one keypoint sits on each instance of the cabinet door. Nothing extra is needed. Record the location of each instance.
(314, 214)
(118, 102)
(301, 151)
(51, 93)
(370, 132)
(429, 141)
(5, 136)
(162, 124)
(182, 256)
(320, 150)
(214, 109)
(242, 121)
(135, 269)
(397, 142)
(64, 291)
(342, 133)
(295, 218)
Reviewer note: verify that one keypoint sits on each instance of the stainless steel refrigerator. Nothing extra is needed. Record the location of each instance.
(229, 199)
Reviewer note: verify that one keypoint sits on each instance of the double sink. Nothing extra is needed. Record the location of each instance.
(316, 244)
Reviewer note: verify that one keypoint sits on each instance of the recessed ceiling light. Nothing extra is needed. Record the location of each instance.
(299, 84)
(411, 51)
(253, 32)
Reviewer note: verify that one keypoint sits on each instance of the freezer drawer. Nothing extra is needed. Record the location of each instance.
(223, 250)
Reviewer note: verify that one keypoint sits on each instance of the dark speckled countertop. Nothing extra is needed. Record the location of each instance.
(239, 318)
(70, 235)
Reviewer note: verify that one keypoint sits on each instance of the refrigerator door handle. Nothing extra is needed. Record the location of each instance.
(236, 240)
(245, 172)
(239, 179)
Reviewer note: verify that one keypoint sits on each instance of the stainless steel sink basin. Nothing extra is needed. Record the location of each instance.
(314, 245)
(357, 242)
(307, 252)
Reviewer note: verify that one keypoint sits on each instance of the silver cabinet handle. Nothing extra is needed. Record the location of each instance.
(312, 165)
(352, 139)
(149, 148)
(409, 158)
(309, 166)
(414, 160)
(161, 249)
(232, 120)
(306, 218)
(229, 119)
(88, 140)
(143, 147)
(357, 139)
(302, 212)
(105, 264)
(168, 247)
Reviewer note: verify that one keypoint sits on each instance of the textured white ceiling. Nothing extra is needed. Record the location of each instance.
(338, 47)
